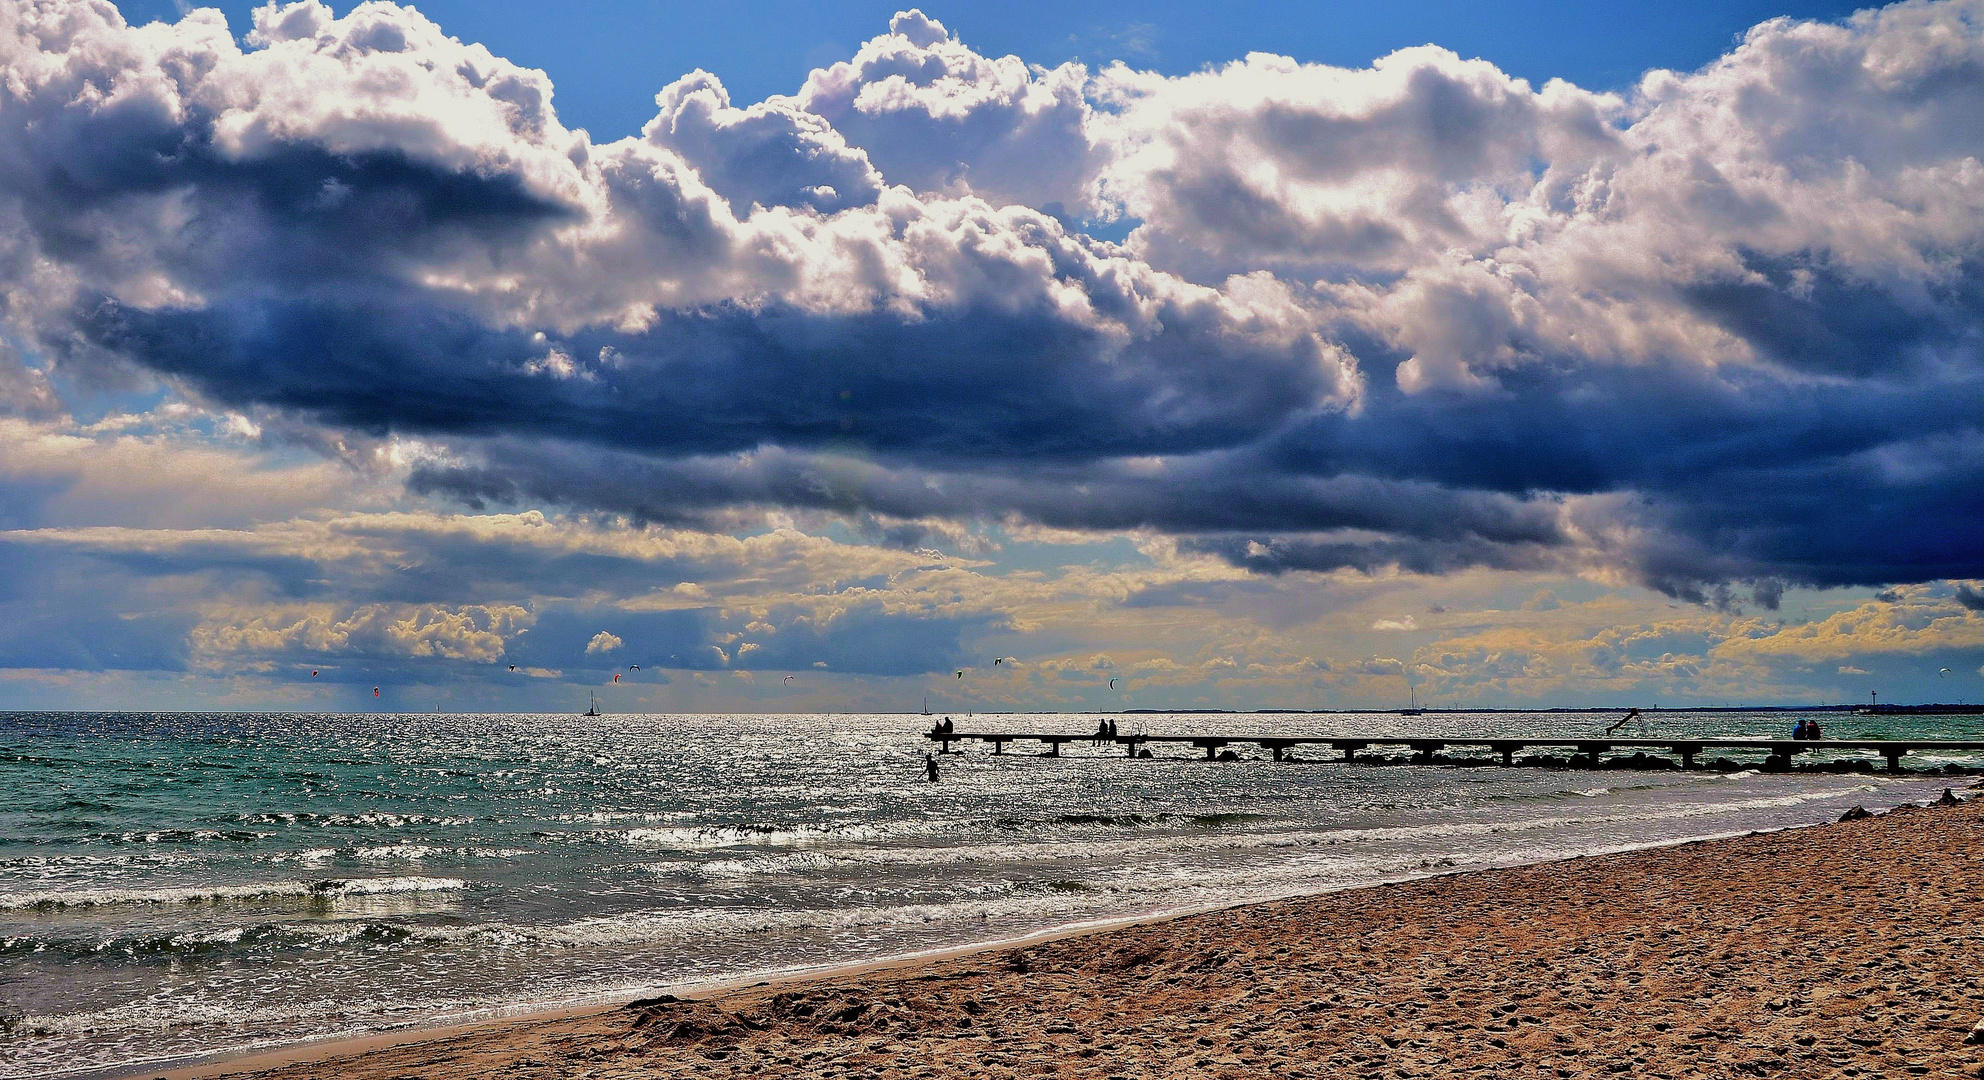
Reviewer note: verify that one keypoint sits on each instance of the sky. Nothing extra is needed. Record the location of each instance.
(791, 358)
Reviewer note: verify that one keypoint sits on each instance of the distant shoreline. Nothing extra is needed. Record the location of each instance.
(1929, 709)
(1872, 710)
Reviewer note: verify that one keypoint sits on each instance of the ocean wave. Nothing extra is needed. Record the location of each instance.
(269, 938)
(394, 852)
(651, 928)
(1129, 821)
(328, 889)
(370, 819)
(173, 836)
(804, 835)
(699, 837)
(605, 817)
(1029, 903)
(1062, 848)
(87, 861)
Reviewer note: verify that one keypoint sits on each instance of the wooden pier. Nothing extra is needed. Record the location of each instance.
(1585, 752)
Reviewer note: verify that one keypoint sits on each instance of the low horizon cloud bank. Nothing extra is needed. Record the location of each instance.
(1716, 334)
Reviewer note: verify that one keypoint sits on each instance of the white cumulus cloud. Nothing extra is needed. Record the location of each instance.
(603, 642)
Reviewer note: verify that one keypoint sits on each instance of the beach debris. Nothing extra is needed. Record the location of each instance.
(1949, 798)
(1856, 814)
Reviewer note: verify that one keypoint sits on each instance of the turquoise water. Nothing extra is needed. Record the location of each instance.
(174, 885)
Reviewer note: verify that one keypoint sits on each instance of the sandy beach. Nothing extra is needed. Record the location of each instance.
(1849, 949)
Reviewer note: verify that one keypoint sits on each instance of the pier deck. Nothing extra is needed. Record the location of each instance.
(1586, 751)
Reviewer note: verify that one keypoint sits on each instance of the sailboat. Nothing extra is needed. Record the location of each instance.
(592, 704)
(1412, 703)
(926, 704)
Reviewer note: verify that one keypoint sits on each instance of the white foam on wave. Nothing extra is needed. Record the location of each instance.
(370, 819)
(698, 837)
(395, 852)
(1183, 843)
(1145, 889)
(330, 889)
(80, 860)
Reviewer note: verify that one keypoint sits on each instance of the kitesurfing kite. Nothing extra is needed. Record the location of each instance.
(375, 691)
(788, 678)
(633, 667)
(1112, 684)
(1943, 673)
(314, 674)
(513, 667)
(960, 673)
(616, 676)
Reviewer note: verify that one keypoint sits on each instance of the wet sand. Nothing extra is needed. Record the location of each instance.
(1854, 950)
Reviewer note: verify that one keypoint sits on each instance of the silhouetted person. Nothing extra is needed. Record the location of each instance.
(1801, 732)
(1812, 730)
(930, 767)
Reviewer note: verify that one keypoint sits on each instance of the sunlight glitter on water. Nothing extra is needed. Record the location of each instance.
(177, 884)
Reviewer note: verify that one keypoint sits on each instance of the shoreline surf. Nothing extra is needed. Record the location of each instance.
(607, 1024)
(259, 1060)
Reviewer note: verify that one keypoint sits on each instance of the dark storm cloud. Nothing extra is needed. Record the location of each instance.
(1421, 315)
(1210, 492)
(974, 383)
(1280, 554)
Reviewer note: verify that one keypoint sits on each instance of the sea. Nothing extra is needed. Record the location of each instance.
(180, 885)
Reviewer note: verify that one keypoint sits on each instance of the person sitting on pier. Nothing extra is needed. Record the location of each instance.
(1112, 728)
(1801, 732)
(1101, 731)
(1812, 732)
